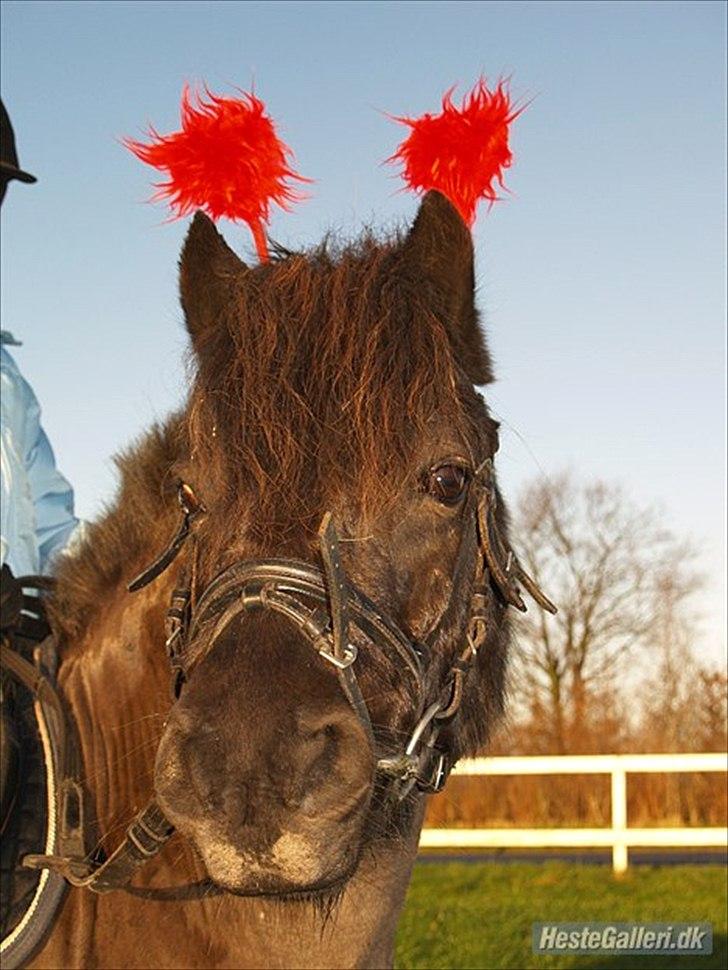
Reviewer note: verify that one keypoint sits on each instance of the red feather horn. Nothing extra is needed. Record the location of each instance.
(463, 150)
(227, 160)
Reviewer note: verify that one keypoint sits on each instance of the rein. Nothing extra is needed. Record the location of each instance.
(331, 613)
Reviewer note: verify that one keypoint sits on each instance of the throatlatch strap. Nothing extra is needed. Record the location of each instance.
(505, 567)
(191, 508)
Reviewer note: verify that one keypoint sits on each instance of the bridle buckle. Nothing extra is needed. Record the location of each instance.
(435, 782)
(341, 663)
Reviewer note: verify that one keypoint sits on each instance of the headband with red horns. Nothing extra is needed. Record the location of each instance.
(228, 160)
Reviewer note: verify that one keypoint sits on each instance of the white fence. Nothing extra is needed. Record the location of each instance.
(619, 836)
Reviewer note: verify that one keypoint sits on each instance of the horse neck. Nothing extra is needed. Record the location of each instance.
(116, 682)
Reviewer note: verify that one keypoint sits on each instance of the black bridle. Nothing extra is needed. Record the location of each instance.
(326, 607)
(331, 613)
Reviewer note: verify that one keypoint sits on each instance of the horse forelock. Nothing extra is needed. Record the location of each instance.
(319, 383)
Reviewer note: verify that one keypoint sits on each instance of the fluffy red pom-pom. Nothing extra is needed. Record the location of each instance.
(226, 160)
(462, 151)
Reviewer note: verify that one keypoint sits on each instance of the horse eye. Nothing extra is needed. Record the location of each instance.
(447, 483)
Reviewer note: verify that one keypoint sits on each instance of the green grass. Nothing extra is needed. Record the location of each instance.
(470, 915)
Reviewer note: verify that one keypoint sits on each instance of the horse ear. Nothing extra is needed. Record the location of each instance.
(439, 248)
(207, 271)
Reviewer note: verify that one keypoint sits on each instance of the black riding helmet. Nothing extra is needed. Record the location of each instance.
(9, 168)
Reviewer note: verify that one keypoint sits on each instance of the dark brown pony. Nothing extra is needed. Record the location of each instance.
(342, 381)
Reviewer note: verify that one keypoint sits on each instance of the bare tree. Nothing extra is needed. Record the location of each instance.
(685, 702)
(608, 564)
(670, 713)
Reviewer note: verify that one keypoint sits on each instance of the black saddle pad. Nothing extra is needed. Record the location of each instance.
(25, 831)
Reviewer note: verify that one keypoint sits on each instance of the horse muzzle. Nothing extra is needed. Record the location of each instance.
(264, 766)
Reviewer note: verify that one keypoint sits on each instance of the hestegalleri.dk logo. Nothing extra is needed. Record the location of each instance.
(609, 938)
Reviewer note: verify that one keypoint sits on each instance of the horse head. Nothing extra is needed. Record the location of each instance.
(337, 386)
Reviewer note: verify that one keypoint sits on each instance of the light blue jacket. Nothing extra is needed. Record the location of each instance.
(36, 501)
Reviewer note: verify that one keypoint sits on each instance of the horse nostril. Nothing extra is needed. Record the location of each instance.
(333, 756)
(317, 752)
(199, 775)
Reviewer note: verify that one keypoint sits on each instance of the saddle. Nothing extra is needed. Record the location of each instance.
(29, 900)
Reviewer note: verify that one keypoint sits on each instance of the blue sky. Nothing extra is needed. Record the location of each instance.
(601, 279)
